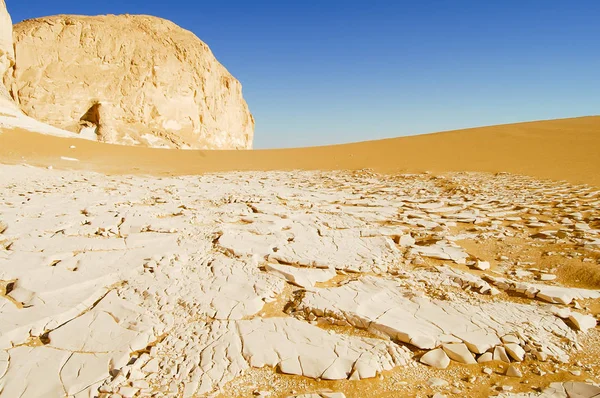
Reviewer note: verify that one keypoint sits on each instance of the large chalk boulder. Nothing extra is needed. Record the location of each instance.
(127, 79)
(7, 55)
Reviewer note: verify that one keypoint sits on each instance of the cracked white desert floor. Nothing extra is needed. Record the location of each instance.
(297, 283)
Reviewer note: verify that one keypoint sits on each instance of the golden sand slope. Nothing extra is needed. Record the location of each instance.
(564, 149)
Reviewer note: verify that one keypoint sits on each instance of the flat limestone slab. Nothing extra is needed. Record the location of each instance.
(404, 314)
(303, 244)
(223, 350)
(303, 277)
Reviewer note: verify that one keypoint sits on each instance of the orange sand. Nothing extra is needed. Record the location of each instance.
(564, 149)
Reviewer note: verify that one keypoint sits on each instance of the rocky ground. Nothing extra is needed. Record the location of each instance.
(288, 283)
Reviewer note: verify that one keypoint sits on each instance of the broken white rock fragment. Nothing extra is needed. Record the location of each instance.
(509, 338)
(513, 371)
(486, 357)
(582, 322)
(468, 280)
(551, 294)
(436, 382)
(436, 358)
(459, 353)
(515, 351)
(442, 250)
(303, 277)
(547, 277)
(482, 265)
(479, 341)
(501, 355)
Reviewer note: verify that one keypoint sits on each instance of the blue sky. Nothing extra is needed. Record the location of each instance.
(331, 71)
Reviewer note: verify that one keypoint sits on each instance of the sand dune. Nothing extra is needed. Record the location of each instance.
(564, 149)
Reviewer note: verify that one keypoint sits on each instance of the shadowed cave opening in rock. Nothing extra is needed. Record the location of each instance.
(90, 121)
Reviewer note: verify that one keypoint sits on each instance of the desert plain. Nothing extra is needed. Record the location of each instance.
(147, 251)
(462, 263)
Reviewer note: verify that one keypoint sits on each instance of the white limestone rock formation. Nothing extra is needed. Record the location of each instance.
(7, 56)
(468, 281)
(548, 293)
(411, 317)
(133, 80)
(442, 251)
(205, 356)
(302, 243)
(140, 286)
(80, 353)
(582, 322)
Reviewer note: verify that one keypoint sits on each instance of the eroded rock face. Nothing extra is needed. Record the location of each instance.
(7, 56)
(134, 80)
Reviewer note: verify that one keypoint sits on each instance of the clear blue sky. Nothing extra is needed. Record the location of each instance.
(331, 71)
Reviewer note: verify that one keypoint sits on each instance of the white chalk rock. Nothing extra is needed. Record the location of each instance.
(153, 91)
(436, 382)
(486, 357)
(436, 358)
(582, 322)
(303, 277)
(482, 265)
(479, 341)
(509, 338)
(515, 351)
(513, 371)
(459, 353)
(500, 354)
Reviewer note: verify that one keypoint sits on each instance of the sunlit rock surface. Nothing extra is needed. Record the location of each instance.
(127, 79)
